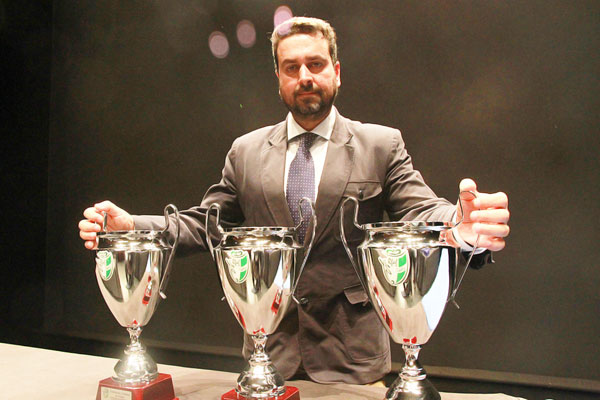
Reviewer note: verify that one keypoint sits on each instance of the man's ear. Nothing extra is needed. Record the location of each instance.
(338, 77)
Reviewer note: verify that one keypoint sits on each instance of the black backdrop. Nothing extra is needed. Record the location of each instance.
(504, 92)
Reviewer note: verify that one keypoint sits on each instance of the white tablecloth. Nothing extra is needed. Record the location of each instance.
(32, 373)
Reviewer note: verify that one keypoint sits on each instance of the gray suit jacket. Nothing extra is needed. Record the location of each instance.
(336, 334)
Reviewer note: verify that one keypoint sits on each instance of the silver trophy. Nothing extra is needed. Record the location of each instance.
(259, 269)
(409, 273)
(132, 269)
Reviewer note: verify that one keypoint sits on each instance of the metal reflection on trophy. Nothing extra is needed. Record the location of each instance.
(409, 273)
(259, 269)
(132, 270)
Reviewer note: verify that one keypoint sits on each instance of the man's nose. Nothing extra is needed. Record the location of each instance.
(304, 75)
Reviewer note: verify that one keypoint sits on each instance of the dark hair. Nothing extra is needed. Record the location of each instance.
(307, 25)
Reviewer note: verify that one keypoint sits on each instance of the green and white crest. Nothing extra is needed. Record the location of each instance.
(237, 261)
(395, 264)
(105, 264)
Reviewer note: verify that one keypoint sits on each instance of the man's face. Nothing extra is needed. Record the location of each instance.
(308, 81)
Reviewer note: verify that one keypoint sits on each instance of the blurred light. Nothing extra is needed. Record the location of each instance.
(282, 14)
(246, 34)
(219, 45)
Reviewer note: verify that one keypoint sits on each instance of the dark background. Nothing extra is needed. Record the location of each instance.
(124, 101)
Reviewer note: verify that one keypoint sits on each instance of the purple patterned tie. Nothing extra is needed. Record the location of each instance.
(301, 182)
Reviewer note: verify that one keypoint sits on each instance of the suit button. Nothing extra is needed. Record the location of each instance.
(303, 301)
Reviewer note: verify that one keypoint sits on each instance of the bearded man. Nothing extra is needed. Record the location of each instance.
(333, 335)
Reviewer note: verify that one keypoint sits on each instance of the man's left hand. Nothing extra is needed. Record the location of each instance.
(485, 215)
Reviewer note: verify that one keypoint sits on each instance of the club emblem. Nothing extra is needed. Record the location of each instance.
(396, 265)
(237, 261)
(104, 264)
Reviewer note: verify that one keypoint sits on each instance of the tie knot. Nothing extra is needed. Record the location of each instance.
(307, 139)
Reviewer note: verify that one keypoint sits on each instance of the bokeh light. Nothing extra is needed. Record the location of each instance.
(282, 14)
(218, 44)
(246, 34)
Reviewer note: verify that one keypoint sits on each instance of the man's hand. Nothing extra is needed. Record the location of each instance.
(486, 215)
(117, 220)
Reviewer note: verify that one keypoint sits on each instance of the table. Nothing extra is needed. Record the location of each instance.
(33, 373)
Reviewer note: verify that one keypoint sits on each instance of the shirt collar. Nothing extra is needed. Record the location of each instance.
(324, 129)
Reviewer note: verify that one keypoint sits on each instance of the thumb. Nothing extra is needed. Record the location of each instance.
(468, 193)
(467, 201)
(467, 185)
(108, 207)
(119, 219)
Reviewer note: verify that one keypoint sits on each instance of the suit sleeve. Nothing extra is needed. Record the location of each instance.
(409, 198)
(193, 220)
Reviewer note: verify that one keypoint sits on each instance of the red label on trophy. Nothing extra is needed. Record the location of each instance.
(160, 388)
(291, 393)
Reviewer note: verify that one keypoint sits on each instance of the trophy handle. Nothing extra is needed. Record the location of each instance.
(217, 207)
(166, 275)
(105, 221)
(343, 237)
(310, 244)
(462, 217)
(211, 248)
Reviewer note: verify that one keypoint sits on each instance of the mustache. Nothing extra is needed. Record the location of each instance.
(308, 89)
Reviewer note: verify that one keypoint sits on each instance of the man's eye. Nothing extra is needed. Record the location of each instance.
(291, 68)
(316, 66)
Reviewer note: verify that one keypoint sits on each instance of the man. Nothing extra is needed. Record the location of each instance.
(334, 334)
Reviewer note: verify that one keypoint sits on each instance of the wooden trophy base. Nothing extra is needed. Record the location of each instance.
(159, 389)
(291, 393)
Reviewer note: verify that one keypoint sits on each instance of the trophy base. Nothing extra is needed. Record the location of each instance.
(291, 393)
(160, 388)
(412, 390)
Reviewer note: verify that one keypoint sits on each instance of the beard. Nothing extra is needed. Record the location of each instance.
(311, 107)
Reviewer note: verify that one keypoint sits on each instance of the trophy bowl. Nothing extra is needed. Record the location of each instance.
(409, 273)
(259, 269)
(132, 270)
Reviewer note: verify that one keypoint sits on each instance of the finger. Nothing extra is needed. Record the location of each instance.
(496, 230)
(90, 245)
(93, 215)
(496, 215)
(89, 226)
(87, 235)
(494, 200)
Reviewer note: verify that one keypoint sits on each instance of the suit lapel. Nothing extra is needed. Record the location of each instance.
(336, 173)
(272, 164)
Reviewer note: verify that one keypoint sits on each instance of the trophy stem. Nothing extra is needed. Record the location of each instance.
(134, 339)
(412, 369)
(260, 380)
(412, 383)
(259, 355)
(136, 367)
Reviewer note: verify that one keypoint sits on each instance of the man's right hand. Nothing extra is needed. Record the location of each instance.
(117, 220)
